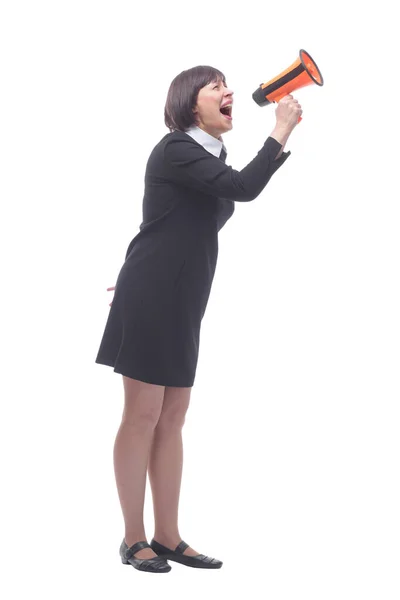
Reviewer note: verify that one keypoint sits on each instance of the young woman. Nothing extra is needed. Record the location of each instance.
(152, 333)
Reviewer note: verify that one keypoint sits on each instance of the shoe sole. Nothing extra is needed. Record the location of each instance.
(125, 562)
(184, 561)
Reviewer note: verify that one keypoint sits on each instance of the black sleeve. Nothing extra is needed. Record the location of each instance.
(187, 163)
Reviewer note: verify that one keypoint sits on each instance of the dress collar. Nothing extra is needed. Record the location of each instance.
(209, 142)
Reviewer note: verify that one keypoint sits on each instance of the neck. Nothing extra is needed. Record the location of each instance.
(216, 134)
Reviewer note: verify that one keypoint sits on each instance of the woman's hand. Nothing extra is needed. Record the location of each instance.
(109, 290)
(288, 112)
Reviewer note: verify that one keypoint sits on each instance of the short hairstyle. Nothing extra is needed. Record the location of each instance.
(182, 96)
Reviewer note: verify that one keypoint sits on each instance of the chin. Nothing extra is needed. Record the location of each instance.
(228, 125)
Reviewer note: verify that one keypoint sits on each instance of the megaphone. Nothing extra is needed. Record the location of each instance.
(302, 72)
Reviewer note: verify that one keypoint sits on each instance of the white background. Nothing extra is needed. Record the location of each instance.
(291, 467)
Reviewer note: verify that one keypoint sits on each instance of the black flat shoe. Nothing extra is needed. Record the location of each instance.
(199, 560)
(154, 565)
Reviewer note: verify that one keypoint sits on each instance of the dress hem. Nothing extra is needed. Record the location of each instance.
(121, 370)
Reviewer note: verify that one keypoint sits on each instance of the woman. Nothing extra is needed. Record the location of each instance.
(153, 329)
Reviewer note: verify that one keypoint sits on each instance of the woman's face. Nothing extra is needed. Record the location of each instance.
(208, 109)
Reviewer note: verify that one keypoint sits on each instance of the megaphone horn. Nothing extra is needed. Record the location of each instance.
(302, 72)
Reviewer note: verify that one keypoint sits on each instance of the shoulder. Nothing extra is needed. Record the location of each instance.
(177, 136)
(174, 147)
(177, 144)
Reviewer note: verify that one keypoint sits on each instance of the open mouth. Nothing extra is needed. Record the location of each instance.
(227, 112)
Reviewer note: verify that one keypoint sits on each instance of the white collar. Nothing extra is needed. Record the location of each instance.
(209, 142)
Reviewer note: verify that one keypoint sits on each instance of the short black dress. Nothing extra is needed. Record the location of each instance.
(153, 328)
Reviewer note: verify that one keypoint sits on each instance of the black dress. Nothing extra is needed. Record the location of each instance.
(153, 328)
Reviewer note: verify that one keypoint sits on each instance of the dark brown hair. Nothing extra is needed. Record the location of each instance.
(182, 96)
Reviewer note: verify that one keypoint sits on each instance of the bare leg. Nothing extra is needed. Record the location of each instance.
(143, 404)
(165, 467)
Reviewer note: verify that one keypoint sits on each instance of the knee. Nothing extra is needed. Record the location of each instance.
(143, 403)
(144, 420)
(172, 418)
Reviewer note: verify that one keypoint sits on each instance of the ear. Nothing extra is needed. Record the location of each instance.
(195, 112)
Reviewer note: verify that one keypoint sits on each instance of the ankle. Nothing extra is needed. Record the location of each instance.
(167, 538)
(132, 537)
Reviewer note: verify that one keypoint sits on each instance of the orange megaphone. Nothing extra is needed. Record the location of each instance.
(302, 72)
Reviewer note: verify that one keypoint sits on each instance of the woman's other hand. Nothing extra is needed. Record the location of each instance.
(109, 290)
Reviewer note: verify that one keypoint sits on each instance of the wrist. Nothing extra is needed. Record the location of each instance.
(281, 133)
